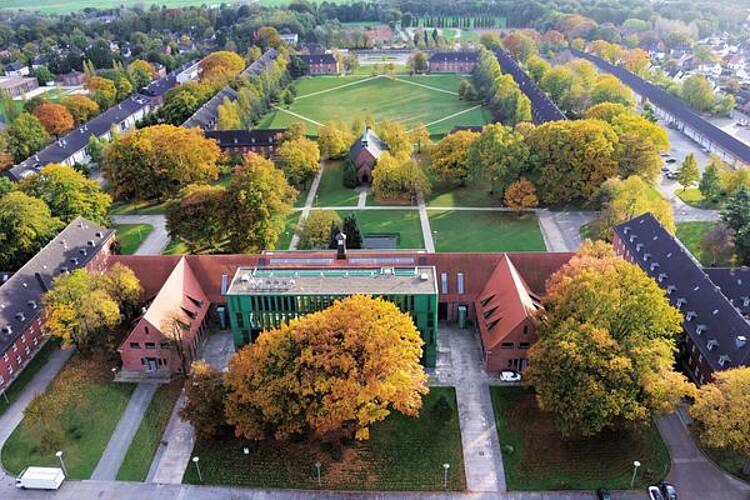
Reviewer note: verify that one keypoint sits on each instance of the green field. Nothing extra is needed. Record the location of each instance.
(691, 235)
(402, 454)
(475, 231)
(331, 192)
(66, 6)
(130, 236)
(430, 100)
(404, 223)
(36, 364)
(537, 458)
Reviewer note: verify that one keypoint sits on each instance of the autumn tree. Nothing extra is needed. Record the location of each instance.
(205, 395)
(450, 157)
(717, 245)
(399, 177)
(122, 286)
(697, 92)
(395, 135)
(521, 196)
(420, 136)
(228, 115)
(155, 162)
(571, 159)
(196, 217)
(68, 193)
(537, 68)
(636, 61)
(141, 73)
(334, 139)
(299, 159)
(608, 88)
(688, 173)
(26, 225)
(261, 198)
(268, 37)
(102, 90)
(498, 157)
(81, 108)
(722, 412)
(418, 62)
(330, 373)
(219, 67)
(25, 136)
(78, 311)
(316, 229)
(55, 118)
(557, 82)
(605, 354)
(627, 199)
(520, 46)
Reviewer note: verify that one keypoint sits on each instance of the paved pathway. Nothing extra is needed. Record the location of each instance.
(362, 198)
(124, 433)
(562, 230)
(695, 476)
(38, 384)
(682, 211)
(309, 202)
(424, 220)
(155, 242)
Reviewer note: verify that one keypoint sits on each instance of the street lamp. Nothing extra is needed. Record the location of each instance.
(198, 469)
(636, 464)
(445, 476)
(317, 468)
(59, 456)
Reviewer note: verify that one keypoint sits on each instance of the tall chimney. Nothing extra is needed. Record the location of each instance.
(340, 246)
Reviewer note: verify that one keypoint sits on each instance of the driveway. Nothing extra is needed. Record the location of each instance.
(562, 230)
(695, 476)
(155, 242)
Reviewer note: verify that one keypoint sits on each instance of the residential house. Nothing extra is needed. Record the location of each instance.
(453, 62)
(17, 69)
(81, 245)
(240, 142)
(315, 64)
(290, 39)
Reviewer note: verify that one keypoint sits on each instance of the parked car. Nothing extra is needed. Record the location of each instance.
(665, 155)
(603, 494)
(668, 490)
(671, 175)
(510, 376)
(654, 493)
(671, 160)
(665, 168)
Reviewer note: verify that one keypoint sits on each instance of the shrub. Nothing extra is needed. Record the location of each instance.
(442, 410)
(350, 174)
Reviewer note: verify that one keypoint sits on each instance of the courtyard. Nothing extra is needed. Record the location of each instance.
(431, 100)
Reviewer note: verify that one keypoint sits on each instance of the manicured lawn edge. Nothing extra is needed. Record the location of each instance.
(130, 236)
(16, 388)
(726, 460)
(485, 231)
(141, 452)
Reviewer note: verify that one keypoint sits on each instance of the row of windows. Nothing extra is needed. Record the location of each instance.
(150, 345)
(511, 345)
(460, 283)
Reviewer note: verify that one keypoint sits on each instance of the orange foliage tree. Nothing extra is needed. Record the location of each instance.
(81, 107)
(521, 195)
(55, 118)
(334, 372)
(219, 67)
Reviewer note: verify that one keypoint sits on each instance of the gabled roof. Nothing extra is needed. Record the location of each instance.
(245, 138)
(714, 326)
(504, 304)
(309, 59)
(370, 142)
(21, 295)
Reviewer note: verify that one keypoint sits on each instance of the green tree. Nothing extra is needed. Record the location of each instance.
(697, 92)
(736, 215)
(354, 238)
(709, 185)
(688, 173)
(450, 157)
(228, 115)
(68, 193)
(299, 159)
(605, 354)
(197, 216)
(537, 68)
(316, 229)
(609, 88)
(26, 225)
(8, 107)
(418, 62)
(261, 198)
(25, 136)
(498, 157)
(43, 75)
(557, 82)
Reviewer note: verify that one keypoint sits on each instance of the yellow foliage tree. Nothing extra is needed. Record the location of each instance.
(334, 372)
(334, 139)
(521, 195)
(450, 157)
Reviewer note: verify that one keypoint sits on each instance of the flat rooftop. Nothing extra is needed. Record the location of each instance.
(419, 280)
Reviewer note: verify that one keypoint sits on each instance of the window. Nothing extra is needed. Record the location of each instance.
(506, 345)
(145, 329)
(164, 345)
(18, 360)
(150, 345)
(460, 278)
(443, 283)
(15, 348)
(523, 345)
(10, 369)
(5, 357)
(525, 329)
(27, 350)
(135, 345)
(2, 380)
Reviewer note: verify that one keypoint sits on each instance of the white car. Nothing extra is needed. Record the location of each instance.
(510, 376)
(654, 493)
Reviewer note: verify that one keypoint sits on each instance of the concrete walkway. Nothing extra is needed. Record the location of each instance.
(424, 220)
(309, 202)
(483, 461)
(114, 454)
(169, 466)
(696, 477)
(682, 211)
(155, 242)
(562, 230)
(38, 384)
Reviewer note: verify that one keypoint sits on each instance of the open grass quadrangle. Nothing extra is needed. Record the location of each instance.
(431, 100)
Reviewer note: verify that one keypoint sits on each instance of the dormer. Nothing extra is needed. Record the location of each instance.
(662, 277)
(20, 316)
(638, 247)
(32, 304)
(740, 341)
(633, 238)
(691, 315)
(724, 360)
(671, 289)
(681, 302)
(712, 344)
(700, 329)
(646, 256)
(654, 266)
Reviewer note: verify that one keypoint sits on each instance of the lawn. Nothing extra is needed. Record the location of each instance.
(537, 458)
(402, 454)
(285, 238)
(474, 231)
(691, 234)
(694, 198)
(131, 236)
(77, 414)
(404, 223)
(409, 100)
(152, 207)
(331, 192)
(471, 195)
(143, 447)
(36, 364)
(175, 247)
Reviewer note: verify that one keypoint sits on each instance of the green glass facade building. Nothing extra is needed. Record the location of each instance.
(259, 299)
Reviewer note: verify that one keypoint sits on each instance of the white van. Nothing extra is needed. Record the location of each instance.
(40, 478)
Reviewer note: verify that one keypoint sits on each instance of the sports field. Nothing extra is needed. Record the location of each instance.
(431, 100)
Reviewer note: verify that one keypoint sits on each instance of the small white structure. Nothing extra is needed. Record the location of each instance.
(40, 478)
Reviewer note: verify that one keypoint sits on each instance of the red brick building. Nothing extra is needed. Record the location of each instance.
(498, 293)
(365, 154)
(453, 62)
(82, 244)
(259, 141)
(315, 64)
